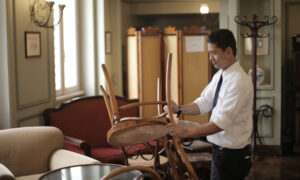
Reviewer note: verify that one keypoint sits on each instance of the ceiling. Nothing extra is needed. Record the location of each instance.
(145, 1)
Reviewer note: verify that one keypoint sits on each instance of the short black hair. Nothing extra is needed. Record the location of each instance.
(222, 38)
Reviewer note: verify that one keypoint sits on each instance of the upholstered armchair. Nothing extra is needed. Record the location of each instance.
(28, 152)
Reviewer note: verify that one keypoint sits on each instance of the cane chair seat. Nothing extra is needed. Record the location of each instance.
(132, 132)
(139, 132)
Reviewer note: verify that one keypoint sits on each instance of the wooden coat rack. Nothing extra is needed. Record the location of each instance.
(254, 25)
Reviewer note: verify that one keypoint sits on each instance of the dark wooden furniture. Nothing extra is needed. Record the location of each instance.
(290, 125)
(296, 72)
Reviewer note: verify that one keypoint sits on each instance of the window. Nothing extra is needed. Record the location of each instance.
(65, 50)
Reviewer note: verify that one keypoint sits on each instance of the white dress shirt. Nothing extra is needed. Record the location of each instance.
(233, 112)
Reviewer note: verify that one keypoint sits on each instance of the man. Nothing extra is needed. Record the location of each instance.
(229, 98)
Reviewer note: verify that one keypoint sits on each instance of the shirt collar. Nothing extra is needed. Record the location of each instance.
(231, 68)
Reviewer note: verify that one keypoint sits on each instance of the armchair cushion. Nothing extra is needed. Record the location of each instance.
(62, 158)
(30, 177)
(5, 173)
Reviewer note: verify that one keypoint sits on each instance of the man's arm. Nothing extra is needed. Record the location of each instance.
(188, 109)
(176, 129)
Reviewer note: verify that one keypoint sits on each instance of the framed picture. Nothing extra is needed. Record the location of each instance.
(32, 44)
(108, 42)
(262, 46)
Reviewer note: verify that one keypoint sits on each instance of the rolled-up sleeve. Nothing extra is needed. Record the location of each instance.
(205, 101)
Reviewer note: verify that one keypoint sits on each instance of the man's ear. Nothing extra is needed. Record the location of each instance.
(229, 50)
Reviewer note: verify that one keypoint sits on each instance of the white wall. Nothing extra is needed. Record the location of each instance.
(228, 10)
(100, 29)
(87, 54)
(91, 34)
(29, 82)
(4, 76)
(113, 61)
(175, 7)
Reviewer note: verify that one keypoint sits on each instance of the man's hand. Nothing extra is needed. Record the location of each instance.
(174, 107)
(176, 129)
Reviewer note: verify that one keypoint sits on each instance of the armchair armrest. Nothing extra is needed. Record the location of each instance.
(80, 143)
(5, 173)
(63, 158)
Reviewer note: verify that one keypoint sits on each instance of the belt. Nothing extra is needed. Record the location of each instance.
(220, 148)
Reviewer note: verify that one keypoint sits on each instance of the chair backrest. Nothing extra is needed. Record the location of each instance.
(108, 104)
(168, 86)
(176, 142)
(150, 147)
(112, 97)
(84, 118)
(26, 150)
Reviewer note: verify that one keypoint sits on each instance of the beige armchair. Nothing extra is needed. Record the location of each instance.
(28, 152)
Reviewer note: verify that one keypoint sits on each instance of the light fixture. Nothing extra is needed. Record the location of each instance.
(204, 9)
(41, 12)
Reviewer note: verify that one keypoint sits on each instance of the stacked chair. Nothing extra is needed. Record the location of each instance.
(126, 131)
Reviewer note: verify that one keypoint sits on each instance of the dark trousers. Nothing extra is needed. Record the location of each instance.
(230, 164)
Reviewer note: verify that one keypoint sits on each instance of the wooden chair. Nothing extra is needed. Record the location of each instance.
(178, 160)
(139, 128)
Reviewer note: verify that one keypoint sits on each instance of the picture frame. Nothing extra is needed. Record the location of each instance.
(262, 47)
(108, 42)
(32, 44)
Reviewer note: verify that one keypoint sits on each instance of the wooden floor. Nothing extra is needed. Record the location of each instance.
(275, 168)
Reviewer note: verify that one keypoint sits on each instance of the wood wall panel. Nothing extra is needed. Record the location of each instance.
(171, 45)
(196, 70)
(150, 70)
(190, 70)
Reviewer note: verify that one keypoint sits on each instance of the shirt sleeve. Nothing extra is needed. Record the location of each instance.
(205, 101)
